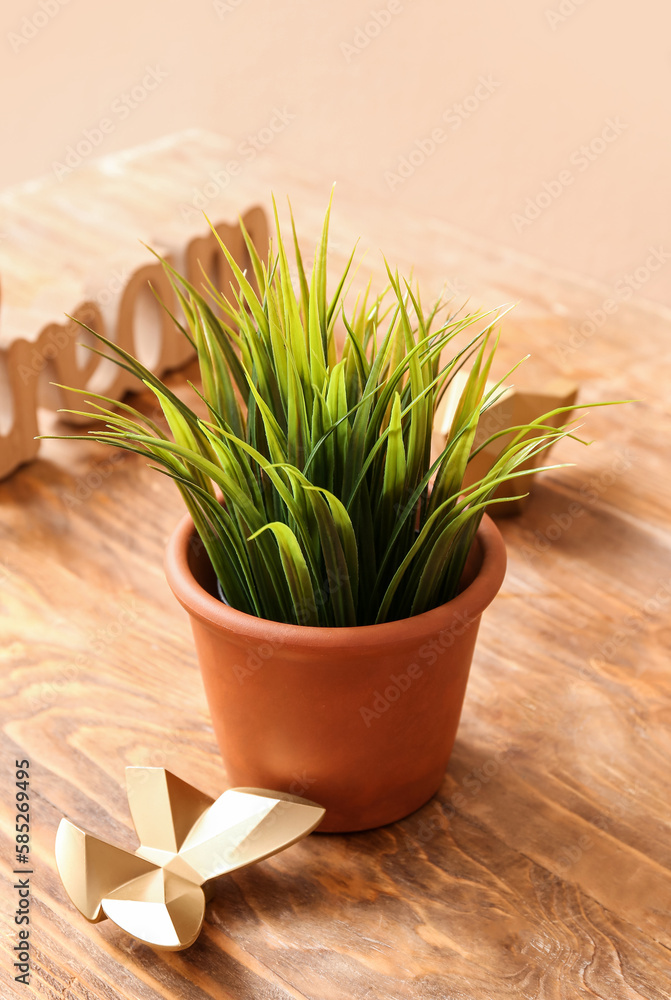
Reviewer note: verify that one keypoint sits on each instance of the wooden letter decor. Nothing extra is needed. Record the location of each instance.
(73, 246)
(515, 406)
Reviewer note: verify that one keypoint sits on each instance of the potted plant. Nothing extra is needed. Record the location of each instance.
(334, 572)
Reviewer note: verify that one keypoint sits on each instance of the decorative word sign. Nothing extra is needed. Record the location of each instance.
(186, 839)
(72, 247)
(515, 407)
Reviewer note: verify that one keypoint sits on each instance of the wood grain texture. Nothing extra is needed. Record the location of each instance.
(542, 870)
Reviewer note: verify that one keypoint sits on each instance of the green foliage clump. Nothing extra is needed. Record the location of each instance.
(310, 480)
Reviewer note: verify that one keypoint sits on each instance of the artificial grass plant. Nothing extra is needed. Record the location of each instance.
(310, 480)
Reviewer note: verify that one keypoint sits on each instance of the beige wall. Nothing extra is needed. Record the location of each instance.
(515, 89)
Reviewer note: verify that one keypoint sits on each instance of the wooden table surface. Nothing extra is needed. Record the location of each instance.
(542, 869)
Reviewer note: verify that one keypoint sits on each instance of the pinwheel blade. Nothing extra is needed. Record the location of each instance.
(90, 868)
(187, 839)
(160, 908)
(164, 808)
(243, 826)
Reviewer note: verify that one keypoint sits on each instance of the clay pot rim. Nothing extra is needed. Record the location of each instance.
(465, 607)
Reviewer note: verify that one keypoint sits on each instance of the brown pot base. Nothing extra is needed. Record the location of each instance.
(361, 720)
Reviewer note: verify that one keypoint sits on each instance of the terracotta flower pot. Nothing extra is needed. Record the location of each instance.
(361, 720)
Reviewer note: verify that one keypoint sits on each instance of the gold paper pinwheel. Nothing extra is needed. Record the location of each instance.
(186, 839)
